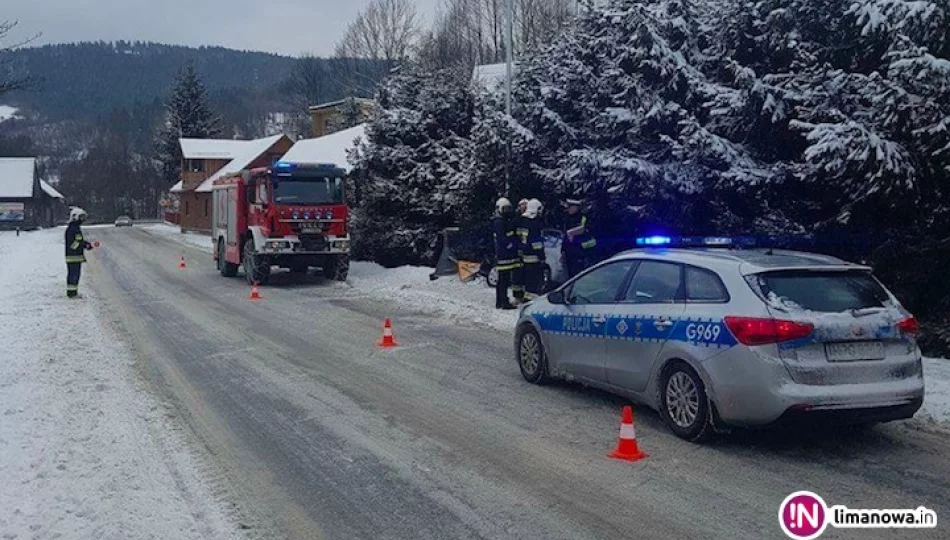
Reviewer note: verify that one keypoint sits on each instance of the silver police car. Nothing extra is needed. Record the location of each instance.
(712, 337)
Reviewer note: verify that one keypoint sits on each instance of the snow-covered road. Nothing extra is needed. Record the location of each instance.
(85, 450)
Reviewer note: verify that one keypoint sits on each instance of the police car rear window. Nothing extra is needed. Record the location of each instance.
(704, 286)
(829, 292)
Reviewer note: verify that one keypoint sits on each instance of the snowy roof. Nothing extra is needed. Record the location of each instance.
(16, 177)
(330, 148)
(243, 160)
(337, 103)
(211, 148)
(177, 187)
(492, 76)
(50, 190)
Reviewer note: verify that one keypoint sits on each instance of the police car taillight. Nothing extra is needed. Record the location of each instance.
(909, 326)
(756, 331)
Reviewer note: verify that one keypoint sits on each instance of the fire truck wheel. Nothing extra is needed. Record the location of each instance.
(255, 270)
(227, 269)
(337, 268)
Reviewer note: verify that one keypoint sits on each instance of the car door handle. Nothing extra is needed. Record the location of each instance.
(662, 324)
(599, 320)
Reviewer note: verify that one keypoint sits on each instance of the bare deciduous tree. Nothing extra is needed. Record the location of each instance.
(9, 80)
(381, 36)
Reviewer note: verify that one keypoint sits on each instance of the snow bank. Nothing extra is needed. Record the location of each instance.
(85, 451)
(937, 397)
(471, 302)
(201, 241)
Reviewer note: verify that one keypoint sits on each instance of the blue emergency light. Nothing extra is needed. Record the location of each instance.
(696, 241)
(654, 241)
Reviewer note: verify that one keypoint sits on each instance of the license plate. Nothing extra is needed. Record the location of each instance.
(855, 351)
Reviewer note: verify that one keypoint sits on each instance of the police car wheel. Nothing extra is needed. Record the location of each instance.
(684, 405)
(531, 357)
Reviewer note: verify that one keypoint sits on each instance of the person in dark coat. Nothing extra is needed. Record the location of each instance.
(76, 246)
(579, 244)
(533, 258)
(506, 251)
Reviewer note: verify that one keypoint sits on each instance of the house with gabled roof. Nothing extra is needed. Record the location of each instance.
(206, 160)
(26, 202)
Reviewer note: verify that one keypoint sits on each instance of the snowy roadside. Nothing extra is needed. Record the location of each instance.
(937, 397)
(85, 450)
(473, 302)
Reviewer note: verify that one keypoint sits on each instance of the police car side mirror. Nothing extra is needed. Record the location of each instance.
(557, 297)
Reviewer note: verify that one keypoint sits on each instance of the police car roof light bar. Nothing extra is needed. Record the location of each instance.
(696, 241)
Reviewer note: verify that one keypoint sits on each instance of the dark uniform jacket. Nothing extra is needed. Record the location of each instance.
(532, 240)
(76, 246)
(506, 243)
(583, 240)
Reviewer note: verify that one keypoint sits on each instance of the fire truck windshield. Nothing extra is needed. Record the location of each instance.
(320, 190)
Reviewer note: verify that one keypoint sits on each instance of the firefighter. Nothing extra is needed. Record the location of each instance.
(76, 247)
(518, 275)
(533, 249)
(506, 250)
(579, 243)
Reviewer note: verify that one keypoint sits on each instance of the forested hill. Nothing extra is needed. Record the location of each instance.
(84, 80)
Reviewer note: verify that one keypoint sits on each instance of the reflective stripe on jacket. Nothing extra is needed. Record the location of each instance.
(577, 227)
(76, 245)
(506, 244)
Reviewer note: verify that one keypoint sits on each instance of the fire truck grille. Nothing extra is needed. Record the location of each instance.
(313, 242)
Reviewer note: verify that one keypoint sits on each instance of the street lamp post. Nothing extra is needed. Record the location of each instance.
(509, 58)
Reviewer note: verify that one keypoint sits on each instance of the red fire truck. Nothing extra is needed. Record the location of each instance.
(291, 215)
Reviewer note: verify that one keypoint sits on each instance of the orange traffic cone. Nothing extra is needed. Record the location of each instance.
(182, 265)
(388, 339)
(255, 293)
(627, 448)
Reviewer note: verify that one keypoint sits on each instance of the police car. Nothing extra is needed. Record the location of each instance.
(711, 335)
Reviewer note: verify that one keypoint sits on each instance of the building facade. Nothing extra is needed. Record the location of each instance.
(336, 116)
(26, 202)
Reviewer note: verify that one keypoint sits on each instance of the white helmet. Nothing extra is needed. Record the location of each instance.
(77, 214)
(502, 203)
(534, 208)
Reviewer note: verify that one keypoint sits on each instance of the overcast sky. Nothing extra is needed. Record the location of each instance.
(282, 26)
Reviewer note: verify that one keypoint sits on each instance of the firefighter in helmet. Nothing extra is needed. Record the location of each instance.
(518, 276)
(579, 244)
(532, 249)
(506, 250)
(76, 247)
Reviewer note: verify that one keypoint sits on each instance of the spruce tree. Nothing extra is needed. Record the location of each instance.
(188, 114)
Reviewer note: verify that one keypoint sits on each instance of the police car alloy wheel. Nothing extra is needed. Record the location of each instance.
(531, 357)
(684, 406)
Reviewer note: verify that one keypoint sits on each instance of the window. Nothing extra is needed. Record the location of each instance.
(829, 292)
(654, 283)
(195, 165)
(704, 286)
(601, 285)
(206, 207)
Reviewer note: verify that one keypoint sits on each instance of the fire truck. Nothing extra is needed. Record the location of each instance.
(290, 215)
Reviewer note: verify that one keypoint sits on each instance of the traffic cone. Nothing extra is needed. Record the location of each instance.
(182, 265)
(388, 339)
(255, 293)
(627, 448)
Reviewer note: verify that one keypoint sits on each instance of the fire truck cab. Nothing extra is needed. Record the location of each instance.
(291, 215)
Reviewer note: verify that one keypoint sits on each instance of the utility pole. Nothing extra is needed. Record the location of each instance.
(509, 58)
